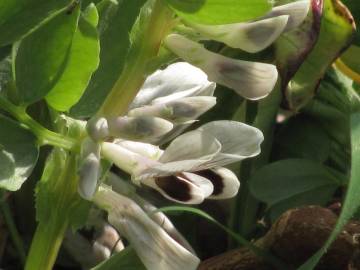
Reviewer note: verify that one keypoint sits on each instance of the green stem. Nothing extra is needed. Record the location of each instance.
(15, 236)
(44, 135)
(45, 245)
(60, 184)
(145, 48)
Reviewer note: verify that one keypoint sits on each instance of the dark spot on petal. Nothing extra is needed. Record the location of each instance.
(181, 109)
(215, 179)
(260, 34)
(174, 187)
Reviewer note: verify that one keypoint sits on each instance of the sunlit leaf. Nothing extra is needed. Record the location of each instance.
(41, 56)
(82, 61)
(219, 11)
(114, 26)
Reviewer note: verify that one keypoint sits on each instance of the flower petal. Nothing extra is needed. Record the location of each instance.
(126, 189)
(143, 149)
(179, 110)
(156, 249)
(184, 188)
(142, 128)
(177, 77)
(250, 36)
(238, 141)
(297, 12)
(124, 158)
(225, 182)
(251, 80)
(185, 153)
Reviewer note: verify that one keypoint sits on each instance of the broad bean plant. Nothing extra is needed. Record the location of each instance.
(128, 127)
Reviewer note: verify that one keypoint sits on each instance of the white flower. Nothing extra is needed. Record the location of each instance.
(251, 80)
(178, 80)
(169, 100)
(257, 35)
(189, 170)
(154, 246)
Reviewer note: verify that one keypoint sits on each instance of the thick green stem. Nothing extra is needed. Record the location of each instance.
(145, 48)
(45, 245)
(56, 209)
(44, 135)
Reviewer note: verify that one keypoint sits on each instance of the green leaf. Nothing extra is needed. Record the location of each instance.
(293, 182)
(42, 56)
(18, 154)
(219, 11)
(352, 58)
(18, 17)
(294, 140)
(115, 23)
(352, 199)
(126, 260)
(82, 61)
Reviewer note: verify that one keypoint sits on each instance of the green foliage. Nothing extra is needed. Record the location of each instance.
(115, 23)
(351, 58)
(42, 56)
(126, 259)
(219, 11)
(293, 182)
(82, 61)
(18, 154)
(18, 17)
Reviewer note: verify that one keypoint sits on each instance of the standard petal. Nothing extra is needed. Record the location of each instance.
(297, 12)
(156, 249)
(238, 141)
(175, 78)
(225, 182)
(251, 80)
(178, 110)
(185, 153)
(183, 188)
(250, 37)
(142, 128)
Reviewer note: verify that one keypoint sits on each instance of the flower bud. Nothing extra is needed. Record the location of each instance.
(251, 80)
(97, 128)
(142, 128)
(89, 169)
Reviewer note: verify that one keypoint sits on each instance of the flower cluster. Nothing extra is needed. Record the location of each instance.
(191, 168)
